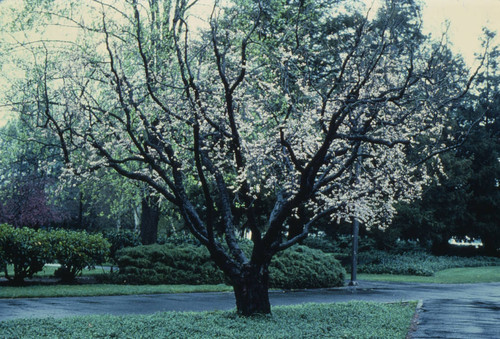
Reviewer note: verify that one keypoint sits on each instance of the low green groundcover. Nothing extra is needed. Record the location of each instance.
(339, 320)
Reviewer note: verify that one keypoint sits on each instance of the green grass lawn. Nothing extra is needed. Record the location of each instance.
(465, 275)
(338, 320)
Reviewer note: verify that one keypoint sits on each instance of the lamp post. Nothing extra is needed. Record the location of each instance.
(355, 228)
(354, 254)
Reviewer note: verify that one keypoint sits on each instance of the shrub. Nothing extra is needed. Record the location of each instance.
(298, 267)
(179, 239)
(26, 249)
(416, 263)
(304, 267)
(3, 257)
(326, 244)
(75, 250)
(167, 264)
(340, 246)
(121, 239)
(378, 262)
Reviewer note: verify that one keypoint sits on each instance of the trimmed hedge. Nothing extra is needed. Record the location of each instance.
(298, 267)
(28, 250)
(167, 264)
(304, 267)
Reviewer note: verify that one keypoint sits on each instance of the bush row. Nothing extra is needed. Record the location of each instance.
(28, 250)
(405, 257)
(417, 263)
(297, 267)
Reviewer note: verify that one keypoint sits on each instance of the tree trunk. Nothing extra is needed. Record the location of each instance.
(150, 217)
(80, 210)
(137, 217)
(354, 253)
(251, 290)
(118, 223)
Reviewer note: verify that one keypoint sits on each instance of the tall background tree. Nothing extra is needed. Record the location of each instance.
(28, 172)
(252, 125)
(462, 201)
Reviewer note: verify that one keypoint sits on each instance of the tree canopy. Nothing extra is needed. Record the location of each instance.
(251, 124)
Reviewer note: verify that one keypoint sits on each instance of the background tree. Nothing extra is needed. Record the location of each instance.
(463, 200)
(253, 124)
(27, 180)
(34, 193)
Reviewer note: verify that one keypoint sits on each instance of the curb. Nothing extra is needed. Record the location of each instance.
(414, 321)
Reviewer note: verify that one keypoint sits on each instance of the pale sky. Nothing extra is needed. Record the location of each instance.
(466, 20)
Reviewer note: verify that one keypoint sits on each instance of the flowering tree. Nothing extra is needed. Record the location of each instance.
(274, 116)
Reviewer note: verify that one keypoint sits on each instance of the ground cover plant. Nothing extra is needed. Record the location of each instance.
(339, 320)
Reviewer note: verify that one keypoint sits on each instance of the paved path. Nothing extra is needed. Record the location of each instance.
(448, 311)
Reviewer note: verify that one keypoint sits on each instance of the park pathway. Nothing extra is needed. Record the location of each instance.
(447, 311)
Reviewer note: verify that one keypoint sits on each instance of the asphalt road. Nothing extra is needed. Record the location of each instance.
(447, 311)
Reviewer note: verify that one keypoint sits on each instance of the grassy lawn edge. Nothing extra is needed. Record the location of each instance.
(466, 275)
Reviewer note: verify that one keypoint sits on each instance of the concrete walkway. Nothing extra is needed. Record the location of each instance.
(448, 311)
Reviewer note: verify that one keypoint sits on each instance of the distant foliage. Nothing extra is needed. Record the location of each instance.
(28, 205)
(416, 263)
(26, 249)
(326, 244)
(298, 267)
(75, 250)
(179, 239)
(403, 257)
(341, 244)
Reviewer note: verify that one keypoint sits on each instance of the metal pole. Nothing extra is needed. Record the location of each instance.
(354, 256)
(355, 230)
